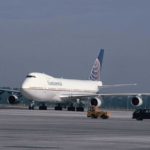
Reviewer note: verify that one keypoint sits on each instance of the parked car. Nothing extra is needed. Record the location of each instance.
(140, 114)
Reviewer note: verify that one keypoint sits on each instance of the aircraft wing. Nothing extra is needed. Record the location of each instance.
(125, 94)
(117, 85)
(75, 96)
(10, 90)
(78, 96)
(81, 96)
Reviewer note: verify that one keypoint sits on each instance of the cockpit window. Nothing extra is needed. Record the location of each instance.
(30, 76)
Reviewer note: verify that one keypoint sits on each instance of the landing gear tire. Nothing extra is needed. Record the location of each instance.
(43, 107)
(80, 109)
(58, 108)
(71, 108)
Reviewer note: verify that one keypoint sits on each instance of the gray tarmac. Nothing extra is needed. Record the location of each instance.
(62, 130)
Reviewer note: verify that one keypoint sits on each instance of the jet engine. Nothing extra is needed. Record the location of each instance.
(96, 101)
(13, 99)
(137, 101)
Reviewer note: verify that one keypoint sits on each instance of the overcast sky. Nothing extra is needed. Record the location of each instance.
(63, 37)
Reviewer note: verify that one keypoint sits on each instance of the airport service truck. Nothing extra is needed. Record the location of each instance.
(95, 112)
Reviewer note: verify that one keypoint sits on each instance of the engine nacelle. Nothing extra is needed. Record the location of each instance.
(13, 99)
(96, 101)
(137, 101)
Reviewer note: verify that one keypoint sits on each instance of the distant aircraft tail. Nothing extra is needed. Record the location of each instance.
(96, 69)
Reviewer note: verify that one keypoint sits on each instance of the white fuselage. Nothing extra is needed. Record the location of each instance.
(41, 87)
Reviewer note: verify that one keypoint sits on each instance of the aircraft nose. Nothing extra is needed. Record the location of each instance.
(25, 89)
(25, 85)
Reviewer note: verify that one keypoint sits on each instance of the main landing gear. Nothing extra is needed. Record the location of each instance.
(71, 107)
(42, 106)
(58, 107)
(79, 107)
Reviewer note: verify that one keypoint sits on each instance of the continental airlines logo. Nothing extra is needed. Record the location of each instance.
(95, 72)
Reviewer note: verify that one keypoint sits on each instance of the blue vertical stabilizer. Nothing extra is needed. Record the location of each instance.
(96, 69)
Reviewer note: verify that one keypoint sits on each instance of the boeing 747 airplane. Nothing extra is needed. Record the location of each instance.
(44, 88)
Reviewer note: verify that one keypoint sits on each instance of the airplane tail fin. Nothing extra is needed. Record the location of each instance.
(96, 69)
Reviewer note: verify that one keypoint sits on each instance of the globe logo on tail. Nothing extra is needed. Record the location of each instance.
(95, 72)
(96, 69)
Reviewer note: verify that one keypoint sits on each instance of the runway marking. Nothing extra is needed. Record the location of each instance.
(37, 147)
